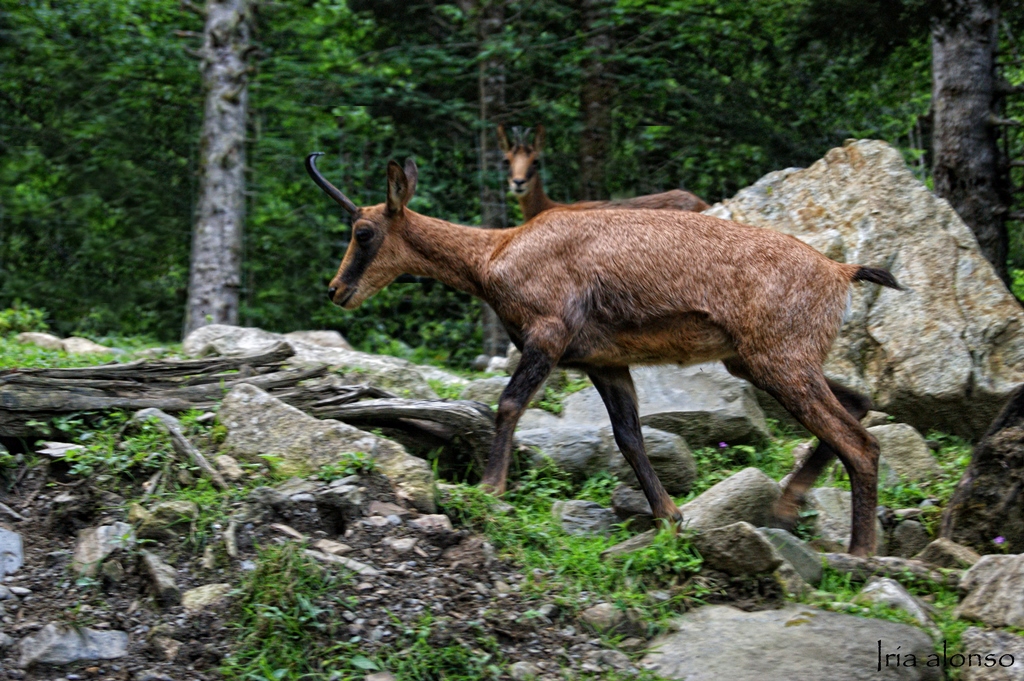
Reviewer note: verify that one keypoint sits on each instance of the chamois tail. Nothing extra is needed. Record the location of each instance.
(876, 275)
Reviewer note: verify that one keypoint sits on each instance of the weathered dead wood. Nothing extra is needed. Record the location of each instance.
(861, 569)
(182, 446)
(171, 386)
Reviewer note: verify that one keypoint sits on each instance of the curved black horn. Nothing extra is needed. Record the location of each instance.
(328, 188)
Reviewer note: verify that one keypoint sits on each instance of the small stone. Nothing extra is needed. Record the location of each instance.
(348, 563)
(95, 544)
(874, 418)
(165, 517)
(228, 467)
(908, 539)
(385, 508)
(203, 597)
(5, 641)
(21, 591)
(549, 610)
(630, 545)
(434, 522)
(83, 346)
(57, 645)
(948, 554)
(805, 560)
(584, 517)
(380, 676)
(403, 545)
(209, 558)
(335, 548)
(166, 647)
(5, 593)
(502, 587)
(523, 671)
(891, 593)
(162, 577)
(12, 552)
(603, 617)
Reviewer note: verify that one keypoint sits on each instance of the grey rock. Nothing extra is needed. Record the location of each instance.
(630, 504)
(794, 642)
(904, 452)
(668, 453)
(946, 553)
(737, 549)
(523, 671)
(792, 582)
(834, 519)
(993, 587)
(996, 643)
(486, 390)
(947, 353)
(57, 645)
(746, 496)
(95, 544)
(703, 404)
(576, 449)
(805, 560)
(46, 341)
(228, 467)
(5, 641)
(204, 597)
(348, 500)
(603, 617)
(162, 577)
(584, 517)
(533, 419)
(12, 552)
(168, 519)
(83, 346)
(327, 339)
(259, 424)
(874, 418)
(625, 547)
(5, 593)
(435, 522)
(888, 592)
(908, 539)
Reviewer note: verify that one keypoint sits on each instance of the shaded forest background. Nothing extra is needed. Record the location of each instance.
(101, 106)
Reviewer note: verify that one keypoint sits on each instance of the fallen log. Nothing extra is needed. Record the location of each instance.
(29, 397)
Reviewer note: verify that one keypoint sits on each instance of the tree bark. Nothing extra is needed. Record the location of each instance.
(967, 168)
(215, 276)
(493, 203)
(595, 100)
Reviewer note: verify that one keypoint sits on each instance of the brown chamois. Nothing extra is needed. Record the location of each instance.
(600, 290)
(524, 181)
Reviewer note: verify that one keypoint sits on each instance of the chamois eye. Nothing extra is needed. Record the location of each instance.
(364, 235)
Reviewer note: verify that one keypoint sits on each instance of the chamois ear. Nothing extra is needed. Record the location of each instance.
(503, 140)
(398, 188)
(412, 174)
(538, 138)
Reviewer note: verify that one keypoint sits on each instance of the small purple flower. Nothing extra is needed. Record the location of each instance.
(999, 540)
(722, 445)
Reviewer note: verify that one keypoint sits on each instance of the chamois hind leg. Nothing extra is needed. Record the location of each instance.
(788, 506)
(615, 386)
(809, 397)
(533, 368)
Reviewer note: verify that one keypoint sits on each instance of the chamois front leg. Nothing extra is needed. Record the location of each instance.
(615, 386)
(533, 369)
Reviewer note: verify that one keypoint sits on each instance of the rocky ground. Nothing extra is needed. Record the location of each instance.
(123, 560)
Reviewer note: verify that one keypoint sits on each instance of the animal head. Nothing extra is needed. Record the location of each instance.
(523, 158)
(376, 252)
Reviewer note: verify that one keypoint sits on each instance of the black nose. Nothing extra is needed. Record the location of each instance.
(519, 183)
(330, 293)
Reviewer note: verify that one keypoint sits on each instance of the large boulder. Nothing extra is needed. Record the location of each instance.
(704, 404)
(390, 373)
(998, 655)
(259, 424)
(945, 353)
(737, 549)
(793, 642)
(57, 644)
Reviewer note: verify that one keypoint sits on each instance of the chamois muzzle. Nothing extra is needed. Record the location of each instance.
(328, 188)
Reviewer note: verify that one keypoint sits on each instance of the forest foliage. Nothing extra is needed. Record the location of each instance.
(101, 104)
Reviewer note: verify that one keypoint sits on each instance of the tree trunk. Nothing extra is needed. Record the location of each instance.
(595, 100)
(967, 167)
(493, 203)
(215, 276)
